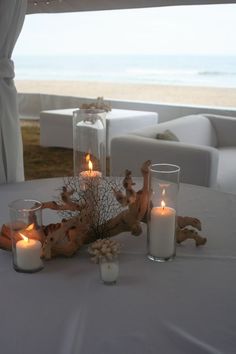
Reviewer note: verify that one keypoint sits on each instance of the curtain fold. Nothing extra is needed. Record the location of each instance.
(12, 15)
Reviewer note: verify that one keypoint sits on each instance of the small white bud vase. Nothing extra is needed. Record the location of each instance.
(109, 271)
(105, 253)
(162, 214)
(27, 235)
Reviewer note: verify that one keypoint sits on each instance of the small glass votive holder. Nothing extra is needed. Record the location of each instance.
(109, 270)
(26, 234)
(162, 214)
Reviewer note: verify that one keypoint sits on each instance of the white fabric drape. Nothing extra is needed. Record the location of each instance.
(12, 14)
(50, 6)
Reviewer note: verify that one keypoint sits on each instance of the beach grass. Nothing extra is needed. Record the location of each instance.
(42, 162)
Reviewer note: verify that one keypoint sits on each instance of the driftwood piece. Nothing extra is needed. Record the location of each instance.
(137, 202)
(187, 229)
(184, 221)
(65, 238)
(5, 237)
(73, 236)
(185, 234)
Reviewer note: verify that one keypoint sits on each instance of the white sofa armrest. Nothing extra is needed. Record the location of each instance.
(225, 128)
(198, 164)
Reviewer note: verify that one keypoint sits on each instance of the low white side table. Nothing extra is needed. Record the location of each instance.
(56, 126)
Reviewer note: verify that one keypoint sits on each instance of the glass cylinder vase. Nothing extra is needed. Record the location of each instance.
(89, 143)
(26, 234)
(162, 215)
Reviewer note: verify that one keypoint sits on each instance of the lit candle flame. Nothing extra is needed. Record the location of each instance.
(87, 158)
(163, 204)
(24, 237)
(163, 191)
(90, 166)
(30, 227)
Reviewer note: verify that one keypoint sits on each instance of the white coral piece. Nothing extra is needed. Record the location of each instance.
(98, 104)
(104, 249)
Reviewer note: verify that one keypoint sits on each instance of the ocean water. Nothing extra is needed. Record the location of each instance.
(212, 71)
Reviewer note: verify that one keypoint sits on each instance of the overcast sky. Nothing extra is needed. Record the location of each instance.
(170, 30)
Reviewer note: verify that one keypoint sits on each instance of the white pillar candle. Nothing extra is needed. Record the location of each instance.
(28, 254)
(109, 271)
(89, 177)
(162, 232)
(90, 174)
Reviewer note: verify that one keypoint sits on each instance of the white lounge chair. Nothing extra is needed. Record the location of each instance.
(206, 150)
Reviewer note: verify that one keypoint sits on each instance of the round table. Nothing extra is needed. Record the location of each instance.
(183, 306)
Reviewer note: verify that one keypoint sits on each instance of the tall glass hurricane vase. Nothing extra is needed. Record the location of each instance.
(89, 143)
(162, 215)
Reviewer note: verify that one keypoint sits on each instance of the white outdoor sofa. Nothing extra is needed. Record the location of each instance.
(206, 150)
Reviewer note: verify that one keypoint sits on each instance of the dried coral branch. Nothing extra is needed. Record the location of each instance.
(98, 104)
(84, 219)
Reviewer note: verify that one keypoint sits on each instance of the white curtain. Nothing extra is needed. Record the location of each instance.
(12, 14)
(50, 6)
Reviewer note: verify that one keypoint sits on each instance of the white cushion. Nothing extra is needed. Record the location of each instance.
(194, 129)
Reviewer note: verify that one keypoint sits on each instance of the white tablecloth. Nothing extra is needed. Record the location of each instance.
(183, 306)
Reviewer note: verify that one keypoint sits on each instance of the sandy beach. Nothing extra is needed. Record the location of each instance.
(207, 96)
